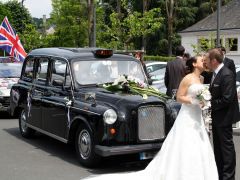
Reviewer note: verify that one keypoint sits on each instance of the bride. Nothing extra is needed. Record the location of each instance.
(186, 153)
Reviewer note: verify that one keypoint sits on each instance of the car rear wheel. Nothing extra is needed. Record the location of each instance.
(24, 130)
(84, 144)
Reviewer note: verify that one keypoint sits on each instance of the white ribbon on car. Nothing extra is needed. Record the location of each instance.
(29, 103)
(68, 104)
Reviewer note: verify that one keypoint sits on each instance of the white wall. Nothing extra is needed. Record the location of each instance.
(191, 38)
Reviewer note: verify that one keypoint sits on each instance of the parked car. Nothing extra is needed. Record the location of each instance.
(9, 74)
(65, 100)
(156, 71)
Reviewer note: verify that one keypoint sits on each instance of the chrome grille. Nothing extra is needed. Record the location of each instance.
(151, 120)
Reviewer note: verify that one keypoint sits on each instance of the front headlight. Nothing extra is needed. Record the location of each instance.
(110, 116)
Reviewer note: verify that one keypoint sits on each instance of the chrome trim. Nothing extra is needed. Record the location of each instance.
(48, 133)
(85, 110)
(150, 127)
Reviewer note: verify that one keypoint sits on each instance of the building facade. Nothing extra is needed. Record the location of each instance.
(203, 34)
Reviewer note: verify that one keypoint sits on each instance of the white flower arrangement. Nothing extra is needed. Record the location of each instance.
(204, 96)
(132, 85)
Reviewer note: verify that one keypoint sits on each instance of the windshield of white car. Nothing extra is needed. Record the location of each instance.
(10, 70)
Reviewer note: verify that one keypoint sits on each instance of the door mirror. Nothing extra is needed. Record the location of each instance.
(150, 81)
(57, 82)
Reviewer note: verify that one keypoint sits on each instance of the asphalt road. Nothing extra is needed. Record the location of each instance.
(45, 158)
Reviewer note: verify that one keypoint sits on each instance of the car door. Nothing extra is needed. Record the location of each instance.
(27, 89)
(36, 92)
(56, 119)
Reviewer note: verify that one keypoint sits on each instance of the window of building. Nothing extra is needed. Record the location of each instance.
(204, 44)
(231, 44)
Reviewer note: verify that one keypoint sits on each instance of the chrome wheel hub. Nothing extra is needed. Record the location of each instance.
(23, 122)
(84, 144)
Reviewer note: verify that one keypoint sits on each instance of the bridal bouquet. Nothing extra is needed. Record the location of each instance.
(204, 96)
(131, 85)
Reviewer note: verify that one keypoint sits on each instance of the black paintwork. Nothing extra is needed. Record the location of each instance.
(49, 111)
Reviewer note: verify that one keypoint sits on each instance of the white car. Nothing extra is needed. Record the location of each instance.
(156, 71)
(9, 75)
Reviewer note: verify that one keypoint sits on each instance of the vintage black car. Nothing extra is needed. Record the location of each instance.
(60, 94)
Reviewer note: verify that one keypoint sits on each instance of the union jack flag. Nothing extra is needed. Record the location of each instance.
(10, 42)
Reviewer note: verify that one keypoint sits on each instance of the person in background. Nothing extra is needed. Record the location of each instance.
(175, 71)
(139, 56)
(207, 73)
(229, 63)
(186, 56)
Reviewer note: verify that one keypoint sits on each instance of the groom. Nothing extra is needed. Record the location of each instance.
(225, 112)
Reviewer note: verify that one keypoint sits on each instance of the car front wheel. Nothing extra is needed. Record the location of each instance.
(84, 144)
(24, 130)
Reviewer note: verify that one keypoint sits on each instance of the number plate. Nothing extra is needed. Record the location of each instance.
(146, 155)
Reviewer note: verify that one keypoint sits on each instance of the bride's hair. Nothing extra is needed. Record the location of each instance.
(189, 64)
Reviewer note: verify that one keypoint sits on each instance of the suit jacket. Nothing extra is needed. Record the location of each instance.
(175, 71)
(207, 75)
(225, 110)
(229, 63)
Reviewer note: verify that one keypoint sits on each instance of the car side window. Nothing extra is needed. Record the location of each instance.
(42, 69)
(238, 76)
(28, 69)
(60, 73)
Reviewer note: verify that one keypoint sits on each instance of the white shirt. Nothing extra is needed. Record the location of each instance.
(218, 68)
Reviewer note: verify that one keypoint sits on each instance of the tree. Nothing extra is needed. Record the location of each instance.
(180, 14)
(132, 24)
(30, 37)
(4, 12)
(69, 17)
(20, 16)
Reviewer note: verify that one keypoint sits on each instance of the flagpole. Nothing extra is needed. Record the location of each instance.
(218, 22)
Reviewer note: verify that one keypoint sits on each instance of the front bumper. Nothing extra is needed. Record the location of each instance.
(4, 103)
(127, 149)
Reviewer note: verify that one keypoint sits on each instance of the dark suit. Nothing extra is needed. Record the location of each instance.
(207, 75)
(225, 112)
(229, 63)
(175, 71)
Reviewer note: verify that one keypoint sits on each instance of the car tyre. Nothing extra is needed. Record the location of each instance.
(24, 130)
(84, 144)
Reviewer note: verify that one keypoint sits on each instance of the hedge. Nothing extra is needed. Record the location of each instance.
(158, 58)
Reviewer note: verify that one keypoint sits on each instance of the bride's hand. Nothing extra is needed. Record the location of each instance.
(201, 104)
(194, 101)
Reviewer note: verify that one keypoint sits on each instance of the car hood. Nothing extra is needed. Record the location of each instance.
(115, 99)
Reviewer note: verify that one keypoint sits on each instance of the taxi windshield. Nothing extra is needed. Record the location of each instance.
(105, 71)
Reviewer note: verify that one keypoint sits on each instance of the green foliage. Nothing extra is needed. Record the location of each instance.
(204, 44)
(158, 58)
(4, 12)
(124, 28)
(20, 16)
(69, 16)
(30, 38)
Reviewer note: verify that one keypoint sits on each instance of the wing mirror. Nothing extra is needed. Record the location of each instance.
(150, 81)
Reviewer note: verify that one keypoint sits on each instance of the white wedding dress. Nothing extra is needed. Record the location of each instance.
(186, 153)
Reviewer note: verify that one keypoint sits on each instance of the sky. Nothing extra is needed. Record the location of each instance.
(37, 8)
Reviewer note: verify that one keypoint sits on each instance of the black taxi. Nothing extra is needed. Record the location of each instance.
(60, 94)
